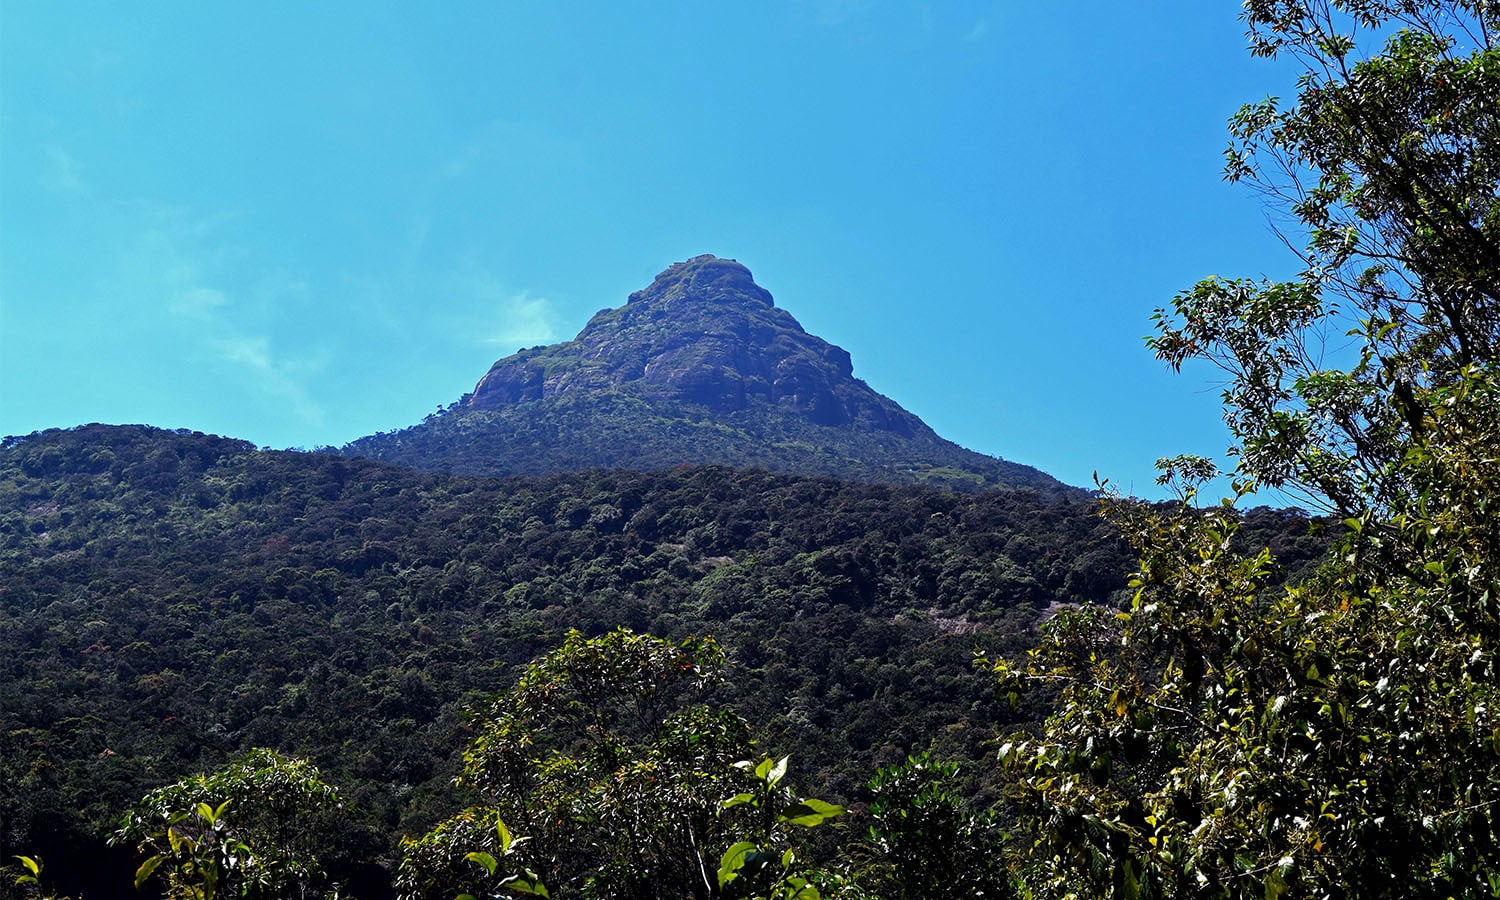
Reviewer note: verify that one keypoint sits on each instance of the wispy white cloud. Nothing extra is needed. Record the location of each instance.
(183, 277)
(197, 302)
(272, 375)
(500, 145)
(979, 32)
(170, 265)
(62, 174)
(501, 316)
(252, 352)
(523, 321)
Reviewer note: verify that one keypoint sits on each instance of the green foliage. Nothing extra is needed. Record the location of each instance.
(764, 864)
(28, 884)
(1230, 737)
(253, 829)
(168, 600)
(609, 753)
(1390, 162)
(522, 882)
(925, 840)
(1227, 739)
(473, 852)
(439, 865)
(608, 757)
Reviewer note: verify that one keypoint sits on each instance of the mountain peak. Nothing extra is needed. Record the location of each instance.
(700, 366)
(706, 279)
(703, 333)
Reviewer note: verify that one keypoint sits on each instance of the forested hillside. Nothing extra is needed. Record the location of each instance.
(172, 598)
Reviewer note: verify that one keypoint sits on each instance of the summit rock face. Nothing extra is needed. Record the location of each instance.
(703, 333)
(699, 368)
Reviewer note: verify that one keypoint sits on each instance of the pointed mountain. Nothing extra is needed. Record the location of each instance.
(701, 367)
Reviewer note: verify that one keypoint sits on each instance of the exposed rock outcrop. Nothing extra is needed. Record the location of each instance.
(704, 332)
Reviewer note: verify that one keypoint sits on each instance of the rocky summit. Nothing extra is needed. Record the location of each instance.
(703, 333)
(699, 368)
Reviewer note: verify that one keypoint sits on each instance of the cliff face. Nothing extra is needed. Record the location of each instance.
(703, 333)
(699, 368)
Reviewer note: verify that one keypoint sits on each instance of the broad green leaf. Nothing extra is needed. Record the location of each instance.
(486, 860)
(526, 883)
(778, 771)
(1276, 885)
(812, 812)
(147, 867)
(732, 861)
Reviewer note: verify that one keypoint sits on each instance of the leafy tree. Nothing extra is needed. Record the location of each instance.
(430, 864)
(925, 841)
(253, 829)
(608, 757)
(1227, 737)
(1391, 163)
(763, 864)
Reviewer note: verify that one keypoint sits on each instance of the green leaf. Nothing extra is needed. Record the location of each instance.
(737, 800)
(147, 867)
(732, 861)
(486, 860)
(1275, 885)
(526, 883)
(31, 865)
(812, 812)
(778, 771)
(505, 836)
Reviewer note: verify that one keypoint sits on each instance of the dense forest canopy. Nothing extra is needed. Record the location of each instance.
(171, 599)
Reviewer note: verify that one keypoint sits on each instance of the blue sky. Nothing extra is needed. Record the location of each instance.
(299, 223)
